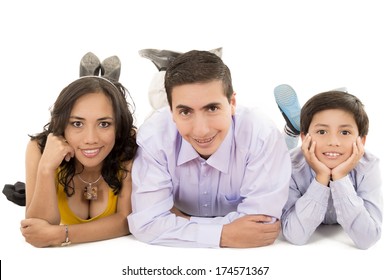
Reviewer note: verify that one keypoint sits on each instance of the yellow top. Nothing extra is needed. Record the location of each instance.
(69, 218)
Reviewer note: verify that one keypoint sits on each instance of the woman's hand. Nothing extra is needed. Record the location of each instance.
(56, 150)
(40, 233)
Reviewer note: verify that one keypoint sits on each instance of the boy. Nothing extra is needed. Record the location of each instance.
(334, 180)
(207, 173)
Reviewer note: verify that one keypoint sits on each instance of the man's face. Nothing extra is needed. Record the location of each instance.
(202, 114)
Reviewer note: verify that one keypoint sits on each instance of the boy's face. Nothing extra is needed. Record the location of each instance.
(334, 132)
(202, 115)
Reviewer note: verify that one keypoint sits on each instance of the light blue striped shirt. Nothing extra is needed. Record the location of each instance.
(248, 174)
(354, 202)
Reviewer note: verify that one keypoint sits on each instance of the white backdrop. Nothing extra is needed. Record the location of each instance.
(312, 45)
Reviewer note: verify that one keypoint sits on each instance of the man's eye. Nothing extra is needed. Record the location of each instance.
(213, 108)
(184, 113)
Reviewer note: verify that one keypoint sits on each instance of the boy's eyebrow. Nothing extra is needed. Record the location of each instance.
(326, 125)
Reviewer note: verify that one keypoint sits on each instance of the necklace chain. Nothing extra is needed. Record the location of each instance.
(90, 193)
(89, 183)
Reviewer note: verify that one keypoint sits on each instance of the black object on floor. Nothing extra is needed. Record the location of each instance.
(16, 193)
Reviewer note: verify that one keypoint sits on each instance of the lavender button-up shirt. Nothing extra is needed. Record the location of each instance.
(248, 174)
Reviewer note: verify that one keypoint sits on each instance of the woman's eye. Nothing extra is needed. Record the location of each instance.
(105, 124)
(77, 124)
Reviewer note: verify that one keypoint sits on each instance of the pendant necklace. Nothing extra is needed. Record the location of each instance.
(90, 192)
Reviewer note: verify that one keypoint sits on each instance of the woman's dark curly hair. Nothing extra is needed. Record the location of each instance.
(125, 132)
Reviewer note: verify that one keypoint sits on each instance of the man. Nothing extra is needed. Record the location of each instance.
(207, 173)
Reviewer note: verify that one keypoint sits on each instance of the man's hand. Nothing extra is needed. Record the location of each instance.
(250, 231)
(178, 213)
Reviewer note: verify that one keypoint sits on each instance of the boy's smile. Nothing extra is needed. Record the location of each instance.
(334, 132)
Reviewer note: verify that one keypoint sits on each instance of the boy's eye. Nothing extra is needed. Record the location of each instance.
(321, 132)
(345, 132)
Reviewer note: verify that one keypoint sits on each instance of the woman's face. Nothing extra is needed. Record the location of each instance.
(91, 129)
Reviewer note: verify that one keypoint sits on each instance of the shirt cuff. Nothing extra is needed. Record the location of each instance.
(318, 192)
(209, 234)
(341, 188)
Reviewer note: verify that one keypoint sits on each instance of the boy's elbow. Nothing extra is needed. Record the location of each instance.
(366, 244)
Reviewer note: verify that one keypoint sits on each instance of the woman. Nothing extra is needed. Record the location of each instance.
(78, 179)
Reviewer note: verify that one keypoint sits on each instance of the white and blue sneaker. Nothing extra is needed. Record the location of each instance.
(288, 103)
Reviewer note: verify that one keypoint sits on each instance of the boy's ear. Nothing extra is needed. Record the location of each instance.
(302, 136)
(363, 139)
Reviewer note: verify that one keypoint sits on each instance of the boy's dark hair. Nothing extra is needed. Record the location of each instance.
(335, 100)
(197, 67)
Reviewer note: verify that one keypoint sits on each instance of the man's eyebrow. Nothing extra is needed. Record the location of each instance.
(180, 106)
(212, 104)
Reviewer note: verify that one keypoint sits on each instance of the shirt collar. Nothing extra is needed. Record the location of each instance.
(219, 160)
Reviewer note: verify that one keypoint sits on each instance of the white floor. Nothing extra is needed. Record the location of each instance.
(313, 47)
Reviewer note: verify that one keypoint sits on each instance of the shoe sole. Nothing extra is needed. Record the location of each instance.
(111, 68)
(89, 65)
(288, 103)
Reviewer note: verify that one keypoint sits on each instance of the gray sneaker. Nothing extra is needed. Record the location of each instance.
(162, 58)
(217, 51)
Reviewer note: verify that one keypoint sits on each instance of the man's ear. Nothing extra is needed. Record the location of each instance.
(233, 103)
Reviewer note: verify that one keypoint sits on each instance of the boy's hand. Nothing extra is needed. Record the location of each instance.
(323, 173)
(345, 167)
